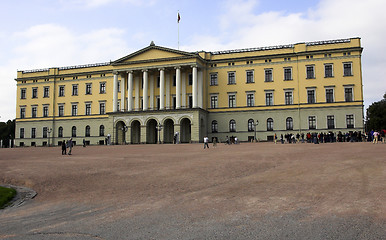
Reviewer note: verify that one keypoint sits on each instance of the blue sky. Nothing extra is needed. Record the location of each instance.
(50, 33)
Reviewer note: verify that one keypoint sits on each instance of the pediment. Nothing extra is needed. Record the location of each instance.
(153, 53)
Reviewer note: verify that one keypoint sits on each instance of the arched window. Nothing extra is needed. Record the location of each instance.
(269, 124)
(87, 131)
(250, 125)
(289, 123)
(232, 126)
(73, 131)
(214, 126)
(101, 130)
(60, 132)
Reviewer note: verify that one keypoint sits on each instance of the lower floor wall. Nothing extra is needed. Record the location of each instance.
(188, 125)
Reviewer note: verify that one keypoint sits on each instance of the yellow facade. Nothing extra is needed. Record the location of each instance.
(233, 85)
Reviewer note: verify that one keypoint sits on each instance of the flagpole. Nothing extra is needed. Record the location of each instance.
(178, 24)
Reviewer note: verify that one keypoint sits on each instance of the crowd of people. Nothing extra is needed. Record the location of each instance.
(330, 137)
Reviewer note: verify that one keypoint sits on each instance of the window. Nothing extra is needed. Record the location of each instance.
(46, 92)
(102, 108)
(329, 95)
(347, 69)
(21, 132)
(250, 125)
(23, 93)
(348, 96)
(34, 92)
(213, 101)
(60, 132)
(45, 132)
(269, 124)
(88, 108)
(34, 112)
(269, 98)
(310, 71)
(74, 110)
(350, 121)
(73, 131)
(311, 122)
(214, 126)
(232, 126)
(61, 110)
(250, 78)
(268, 75)
(250, 99)
(61, 91)
(213, 79)
(33, 132)
(22, 112)
(101, 130)
(288, 98)
(102, 87)
(231, 78)
(330, 122)
(328, 71)
(87, 131)
(289, 124)
(287, 74)
(45, 111)
(232, 100)
(75, 90)
(88, 88)
(311, 96)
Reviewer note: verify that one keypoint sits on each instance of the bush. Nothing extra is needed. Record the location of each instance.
(6, 195)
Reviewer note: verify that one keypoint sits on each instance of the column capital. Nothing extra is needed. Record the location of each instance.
(161, 69)
(145, 70)
(130, 71)
(177, 67)
(115, 72)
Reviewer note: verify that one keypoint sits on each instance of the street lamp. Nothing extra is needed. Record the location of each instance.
(159, 128)
(49, 131)
(255, 125)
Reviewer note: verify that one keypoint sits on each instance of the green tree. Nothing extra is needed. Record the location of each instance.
(376, 115)
(7, 131)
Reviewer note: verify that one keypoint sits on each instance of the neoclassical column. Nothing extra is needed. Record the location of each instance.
(151, 87)
(178, 87)
(183, 90)
(162, 88)
(194, 87)
(115, 92)
(200, 88)
(137, 86)
(144, 90)
(123, 93)
(130, 91)
(167, 90)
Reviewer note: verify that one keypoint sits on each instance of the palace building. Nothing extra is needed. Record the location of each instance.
(153, 94)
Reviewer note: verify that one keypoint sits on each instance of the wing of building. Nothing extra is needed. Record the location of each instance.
(160, 94)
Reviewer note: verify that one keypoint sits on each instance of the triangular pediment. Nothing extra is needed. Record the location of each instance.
(154, 53)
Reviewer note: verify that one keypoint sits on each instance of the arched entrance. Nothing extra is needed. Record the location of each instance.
(120, 130)
(135, 132)
(151, 131)
(168, 131)
(185, 130)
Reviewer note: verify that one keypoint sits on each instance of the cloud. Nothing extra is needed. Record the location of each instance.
(100, 3)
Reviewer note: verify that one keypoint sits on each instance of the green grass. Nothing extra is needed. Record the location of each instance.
(6, 195)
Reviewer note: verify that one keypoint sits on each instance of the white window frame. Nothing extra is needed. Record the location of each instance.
(332, 70)
(252, 76)
(266, 70)
(273, 98)
(292, 97)
(231, 74)
(253, 98)
(351, 70)
(313, 71)
(284, 72)
(333, 93)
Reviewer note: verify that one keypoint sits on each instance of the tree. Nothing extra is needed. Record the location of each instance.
(7, 131)
(376, 115)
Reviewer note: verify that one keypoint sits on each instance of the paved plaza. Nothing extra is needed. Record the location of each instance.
(244, 191)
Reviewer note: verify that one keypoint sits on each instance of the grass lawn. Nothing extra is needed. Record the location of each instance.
(6, 195)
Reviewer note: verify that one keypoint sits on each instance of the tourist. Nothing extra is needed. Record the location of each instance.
(64, 150)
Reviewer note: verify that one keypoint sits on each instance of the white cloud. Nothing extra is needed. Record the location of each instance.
(100, 3)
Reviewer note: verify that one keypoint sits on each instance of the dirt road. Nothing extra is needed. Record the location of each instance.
(245, 191)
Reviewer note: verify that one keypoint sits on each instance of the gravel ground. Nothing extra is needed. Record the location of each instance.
(246, 191)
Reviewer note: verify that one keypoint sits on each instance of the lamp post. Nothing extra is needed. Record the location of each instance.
(49, 132)
(159, 128)
(255, 125)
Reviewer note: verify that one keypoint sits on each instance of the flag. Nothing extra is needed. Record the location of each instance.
(178, 18)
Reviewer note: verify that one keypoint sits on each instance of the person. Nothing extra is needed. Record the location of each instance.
(69, 145)
(281, 139)
(64, 149)
(275, 138)
(227, 140)
(215, 142)
(235, 140)
(375, 134)
(206, 141)
(84, 142)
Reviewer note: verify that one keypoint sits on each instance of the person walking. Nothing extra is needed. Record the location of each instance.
(64, 149)
(275, 138)
(69, 145)
(215, 142)
(206, 142)
(375, 134)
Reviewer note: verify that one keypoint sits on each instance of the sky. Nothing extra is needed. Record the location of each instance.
(37, 34)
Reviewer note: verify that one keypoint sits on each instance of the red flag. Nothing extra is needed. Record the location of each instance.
(178, 18)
